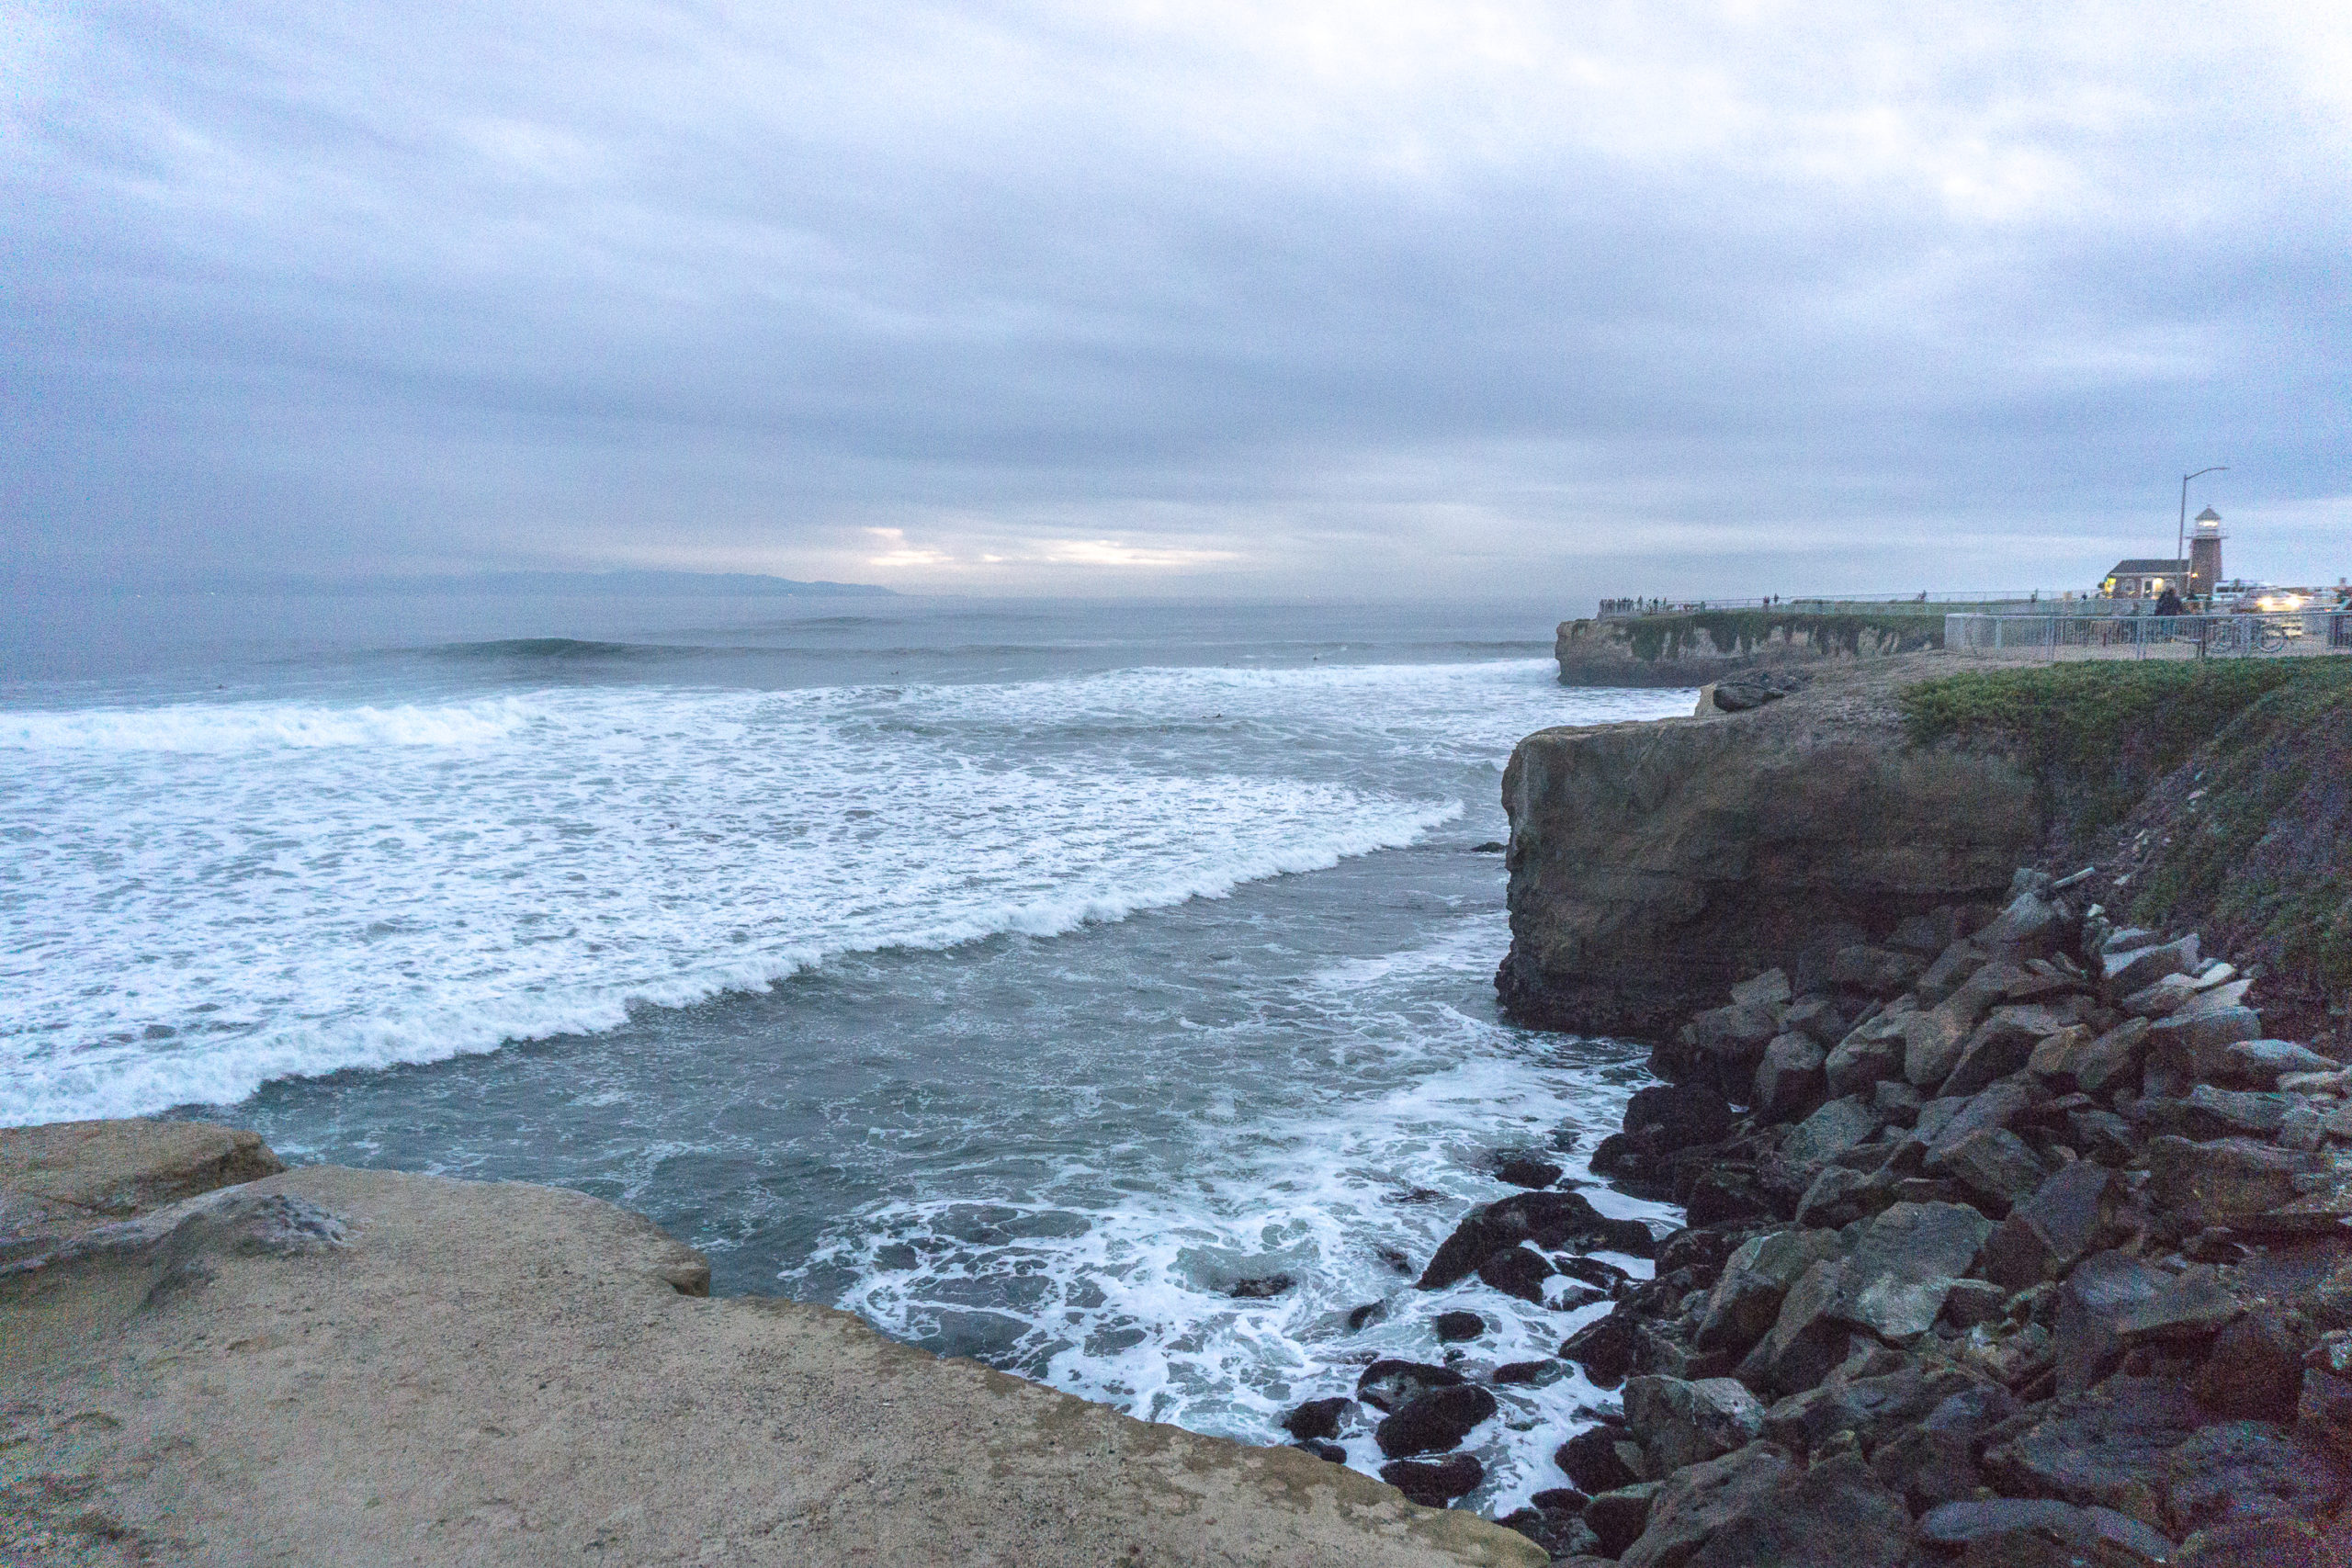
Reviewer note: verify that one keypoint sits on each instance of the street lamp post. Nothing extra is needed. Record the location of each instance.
(2180, 549)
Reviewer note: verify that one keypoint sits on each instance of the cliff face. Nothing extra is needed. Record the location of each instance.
(1708, 645)
(1653, 865)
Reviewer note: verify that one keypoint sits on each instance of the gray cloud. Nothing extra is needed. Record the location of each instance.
(1305, 298)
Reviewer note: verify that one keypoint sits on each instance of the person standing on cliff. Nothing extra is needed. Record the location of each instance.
(2168, 602)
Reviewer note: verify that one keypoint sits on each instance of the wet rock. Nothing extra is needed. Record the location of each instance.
(1620, 1516)
(1318, 1418)
(1694, 1504)
(2261, 1063)
(1682, 1115)
(2241, 1471)
(1606, 1349)
(1435, 1483)
(1874, 970)
(1561, 1533)
(1679, 1423)
(1591, 1460)
(2104, 1448)
(1525, 1170)
(2001, 1526)
(1835, 1514)
(1748, 1295)
(1532, 1374)
(1837, 1127)
(1369, 1312)
(1388, 1385)
(1453, 1327)
(1996, 1166)
(1435, 1421)
(1516, 1271)
(2222, 1181)
(1788, 1081)
(1330, 1453)
(1551, 1219)
(1262, 1287)
(2255, 1372)
(2074, 1211)
(1699, 1251)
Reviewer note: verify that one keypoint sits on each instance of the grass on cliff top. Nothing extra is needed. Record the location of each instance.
(2255, 842)
(1743, 631)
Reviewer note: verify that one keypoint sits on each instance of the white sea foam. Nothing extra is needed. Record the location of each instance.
(202, 898)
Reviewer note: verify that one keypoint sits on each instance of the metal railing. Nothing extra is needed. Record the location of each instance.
(2203, 636)
(1997, 600)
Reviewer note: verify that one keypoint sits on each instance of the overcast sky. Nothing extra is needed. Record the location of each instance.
(1204, 297)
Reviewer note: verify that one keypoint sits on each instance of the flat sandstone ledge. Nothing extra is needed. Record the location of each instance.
(335, 1366)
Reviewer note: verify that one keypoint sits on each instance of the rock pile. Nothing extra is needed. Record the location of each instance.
(2011, 1240)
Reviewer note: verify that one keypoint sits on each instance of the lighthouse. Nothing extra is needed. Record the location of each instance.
(2205, 552)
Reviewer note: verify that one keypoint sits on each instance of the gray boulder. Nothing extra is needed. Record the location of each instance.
(2105, 1448)
(1809, 1338)
(1694, 1504)
(1681, 1423)
(1934, 1462)
(2077, 1211)
(2002, 1528)
(2261, 1063)
(1836, 1515)
(2242, 1471)
(1769, 990)
(1873, 1051)
(1789, 1082)
(2099, 1064)
(1840, 1125)
(1746, 1296)
(1994, 1165)
(2101, 1291)
(2193, 1044)
(1817, 1019)
(2128, 970)
(2225, 1112)
(1868, 1408)
(2223, 1181)
(2002, 1044)
(1902, 1265)
(1874, 970)
(2189, 1306)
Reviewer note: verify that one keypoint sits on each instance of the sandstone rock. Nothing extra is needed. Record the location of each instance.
(80, 1174)
(1435, 1483)
(2224, 1181)
(1747, 1297)
(2261, 1063)
(1516, 1271)
(1789, 1082)
(2074, 1211)
(1768, 989)
(2128, 970)
(1681, 1423)
(1435, 1421)
(1994, 1165)
(1838, 1126)
(1389, 1385)
(1691, 1505)
(1318, 1418)
(1874, 970)
(2242, 1471)
(2105, 1448)
(1590, 1460)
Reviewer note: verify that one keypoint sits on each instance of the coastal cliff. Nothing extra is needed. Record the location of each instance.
(324, 1365)
(1653, 864)
(1694, 647)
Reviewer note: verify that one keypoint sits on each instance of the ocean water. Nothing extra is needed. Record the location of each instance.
(1023, 976)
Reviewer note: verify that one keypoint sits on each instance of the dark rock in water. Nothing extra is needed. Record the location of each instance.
(1574, 1298)
(1560, 1500)
(1434, 1422)
(1317, 1418)
(1330, 1453)
(1592, 1272)
(1525, 1170)
(1834, 1515)
(2106, 1448)
(1536, 1372)
(1435, 1483)
(1691, 1505)
(2242, 1471)
(1260, 1288)
(2255, 1372)
(1389, 1385)
(1590, 1459)
(1620, 1516)
(1701, 1250)
(1606, 1349)
(1370, 1312)
(1491, 846)
(1516, 1271)
(1397, 1260)
(1679, 1116)
(1455, 1326)
(1551, 1219)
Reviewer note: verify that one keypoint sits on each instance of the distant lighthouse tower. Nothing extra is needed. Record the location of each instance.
(2205, 552)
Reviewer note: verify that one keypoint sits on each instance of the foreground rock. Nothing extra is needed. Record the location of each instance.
(360, 1367)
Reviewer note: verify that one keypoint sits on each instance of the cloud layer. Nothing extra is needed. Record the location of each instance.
(1225, 297)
